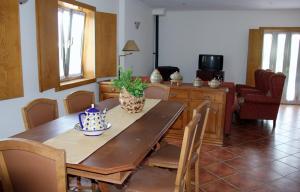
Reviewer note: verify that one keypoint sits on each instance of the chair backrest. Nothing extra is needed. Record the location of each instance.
(266, 80)
(185, 163)
(258, 74)
(39, 111)
(79, 101)
(203, 109)
(30, 166)
(157, 91)
(276, 85)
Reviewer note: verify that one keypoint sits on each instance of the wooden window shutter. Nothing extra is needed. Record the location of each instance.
(11, 81)
(47, 43)
(106, 44)
(255, 46)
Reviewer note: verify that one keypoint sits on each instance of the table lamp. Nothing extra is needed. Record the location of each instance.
(130, 47)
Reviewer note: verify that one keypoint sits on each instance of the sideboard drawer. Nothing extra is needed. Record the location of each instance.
(109, 95)
(108, 89)
(202, 95)
(217, 97)
(178, 94)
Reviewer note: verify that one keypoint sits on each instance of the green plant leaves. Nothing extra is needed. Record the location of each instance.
(134, 86)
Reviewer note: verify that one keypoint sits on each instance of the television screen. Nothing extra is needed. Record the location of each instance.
(211, 62)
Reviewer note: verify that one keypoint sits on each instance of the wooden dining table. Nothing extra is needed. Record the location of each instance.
(115, 160)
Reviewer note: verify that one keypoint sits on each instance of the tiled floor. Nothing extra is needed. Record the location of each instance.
(255, 158)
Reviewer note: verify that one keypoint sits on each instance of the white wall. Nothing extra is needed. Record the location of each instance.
(186, 34)
(10, 110)
(134, 10)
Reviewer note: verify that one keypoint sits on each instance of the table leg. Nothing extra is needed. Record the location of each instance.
(103, 187)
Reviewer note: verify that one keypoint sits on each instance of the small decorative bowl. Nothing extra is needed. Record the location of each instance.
(197, 82)
(214, 83)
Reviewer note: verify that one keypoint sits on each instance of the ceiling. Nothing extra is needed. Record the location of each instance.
(224, 4)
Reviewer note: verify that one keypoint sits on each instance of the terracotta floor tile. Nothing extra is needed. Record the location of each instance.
(292, 161)
(294, 177)
(235, 150)
(266, 188)
(207, 159)
(255, 158)
(286, 185)
(206, 148)
(281, 168)
(297, 155)
(205, 177)
(243, 182)
(218, 186)
(221, 169)
(265, 174)
(275, 154)
(222, 154)
(240, 164)
(287, 149)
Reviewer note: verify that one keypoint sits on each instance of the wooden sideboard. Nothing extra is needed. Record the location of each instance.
(192, 97)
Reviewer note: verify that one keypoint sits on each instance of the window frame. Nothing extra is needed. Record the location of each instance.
(79, 76)
(88, 57)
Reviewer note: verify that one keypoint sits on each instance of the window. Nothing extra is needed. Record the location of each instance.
(76, 40)
(71, 36)
(281, 54)
(68, 34)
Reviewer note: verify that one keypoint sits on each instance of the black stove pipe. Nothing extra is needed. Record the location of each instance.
(156, 53)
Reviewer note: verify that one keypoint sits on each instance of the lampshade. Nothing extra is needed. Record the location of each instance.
(130, 46)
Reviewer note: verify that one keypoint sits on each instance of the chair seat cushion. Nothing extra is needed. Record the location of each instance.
(167, 156)
(150, 179)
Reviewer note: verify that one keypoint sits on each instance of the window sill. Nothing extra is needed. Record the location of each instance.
(74, 83)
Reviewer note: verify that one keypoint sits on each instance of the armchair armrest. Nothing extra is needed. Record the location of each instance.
(246, 91)
(238, 86)
(263, 99)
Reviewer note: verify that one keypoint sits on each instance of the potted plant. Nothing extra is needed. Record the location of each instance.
(131, 91)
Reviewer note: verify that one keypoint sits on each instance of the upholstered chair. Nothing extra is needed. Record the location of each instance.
(157, 91)
(31, 166)
(79, 101)
(259, 87)
(149, 179)
(39, 111)
(257, 106)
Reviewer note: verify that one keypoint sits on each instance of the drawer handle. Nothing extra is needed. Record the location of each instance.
(207, 97)
(173, 95)
(113, 89)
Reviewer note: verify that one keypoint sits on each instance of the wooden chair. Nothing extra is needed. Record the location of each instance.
(79, 101)
(31, 166)
(168, 155)
(157, 91)
(149, 179)
(39, 111)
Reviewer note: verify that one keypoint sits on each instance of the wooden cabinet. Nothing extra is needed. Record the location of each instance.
(192, 97)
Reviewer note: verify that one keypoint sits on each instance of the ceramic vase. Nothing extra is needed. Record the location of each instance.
(155, 76)
(130, 103)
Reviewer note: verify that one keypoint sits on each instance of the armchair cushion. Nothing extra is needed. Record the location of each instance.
(263, 99)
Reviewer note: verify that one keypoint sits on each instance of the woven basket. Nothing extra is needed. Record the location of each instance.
(131, 103)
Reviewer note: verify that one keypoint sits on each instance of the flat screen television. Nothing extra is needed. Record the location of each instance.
(210, 62)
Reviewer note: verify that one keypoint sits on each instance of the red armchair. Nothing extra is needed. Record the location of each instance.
(258, 106)
(240, 88)
(261, 84)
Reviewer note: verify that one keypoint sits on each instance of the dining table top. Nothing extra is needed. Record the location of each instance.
(125, 151)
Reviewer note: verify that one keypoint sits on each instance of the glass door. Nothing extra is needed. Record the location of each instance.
(281, 53)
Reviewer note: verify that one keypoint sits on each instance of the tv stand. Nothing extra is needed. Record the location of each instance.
(209, 75)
